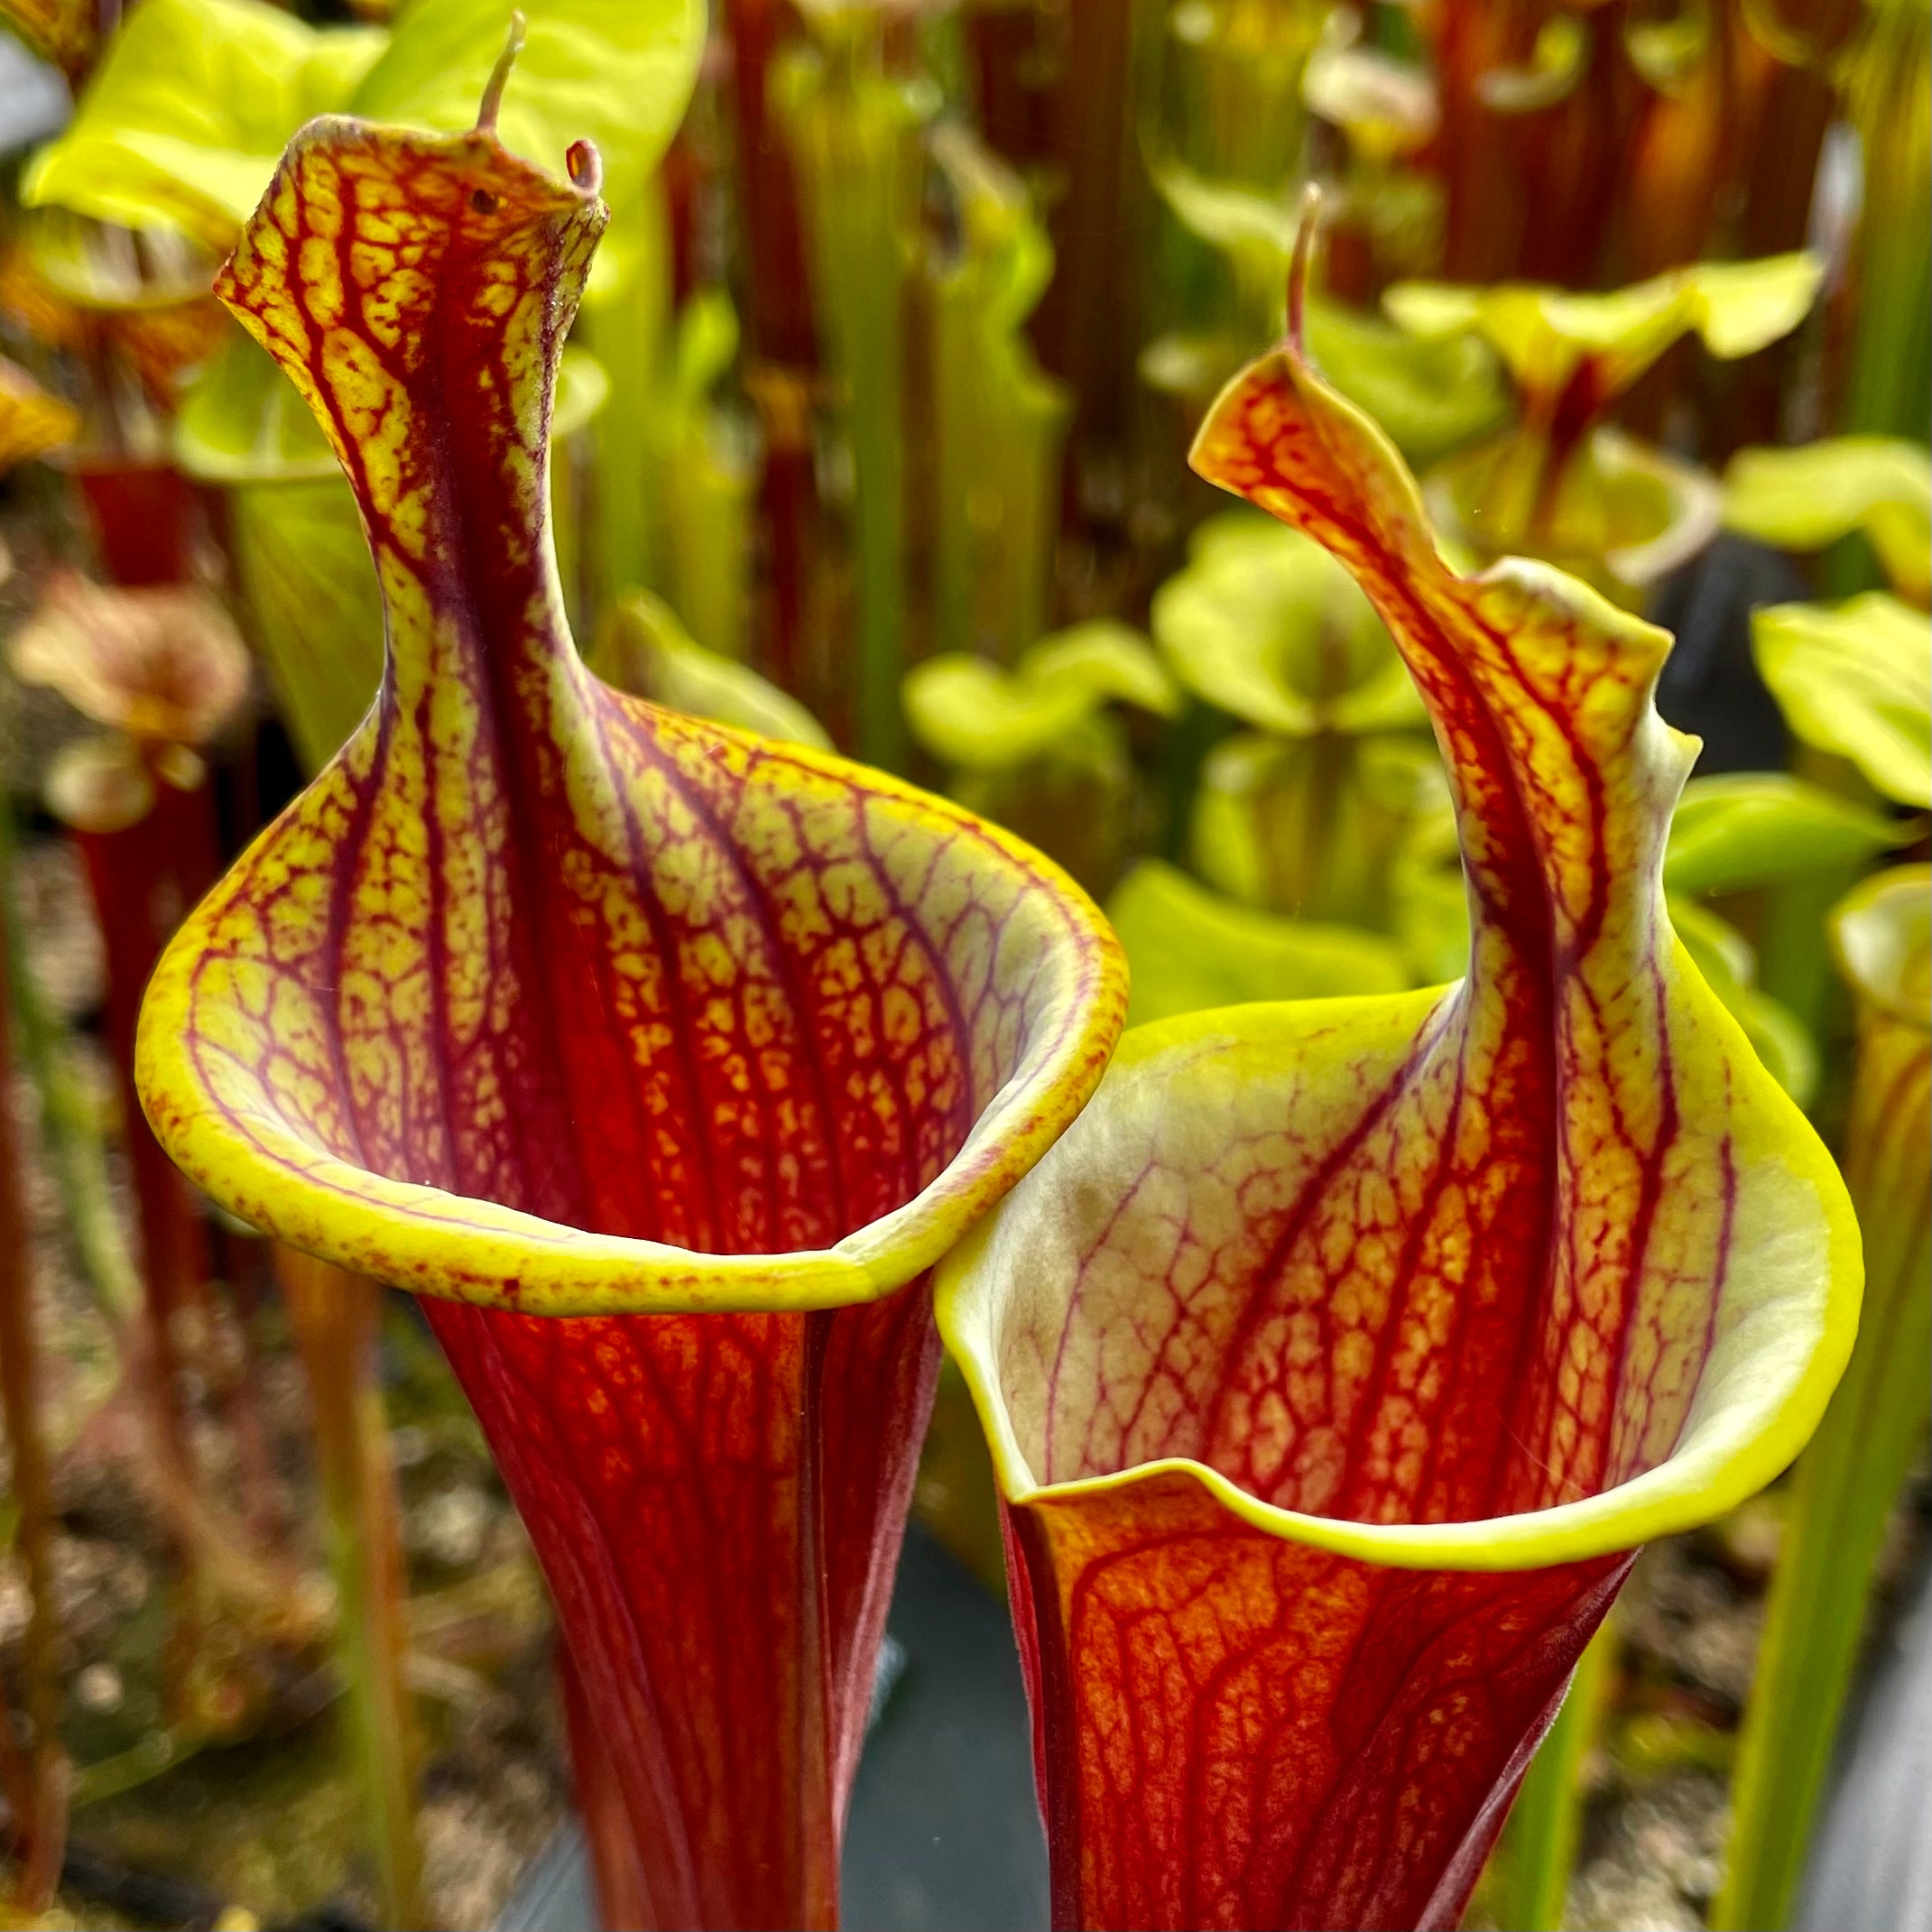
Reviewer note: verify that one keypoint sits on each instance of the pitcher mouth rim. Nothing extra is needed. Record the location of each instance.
(432, 1241)
(1727, 1450)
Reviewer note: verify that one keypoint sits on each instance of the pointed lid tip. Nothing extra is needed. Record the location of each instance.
(493, 90)
(1298, 266)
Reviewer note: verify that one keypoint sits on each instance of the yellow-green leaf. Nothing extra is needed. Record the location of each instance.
(243, 422)
(998, 418)
(185, 118)
(1265, 625)
(1239, 221)
(314, 610)
(1314, 827)
(1855, 678)
(975, 716)
(708, 475)
(1751, 829)
(1431, 396)
(1545, 335)
(1803, 499)
(615, 72)
(1188, 949)
(1729, 967)
(1621, 513)
(642, 648)
(1557, 61)
(1386, 107)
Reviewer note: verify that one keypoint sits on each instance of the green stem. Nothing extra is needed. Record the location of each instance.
(1539, 1842)
(1838, 1505)
(1794, 961)
(1308, 828)
(141, 1763)
(1234, 93)
(334, 1317)
(998, 420)
(708, 513)
(1889, 389)
(1848, 1477)
(625, 330)
(1183, 752)
(1326, 848)
(1794, 967)
(852, 125)
(709, 482)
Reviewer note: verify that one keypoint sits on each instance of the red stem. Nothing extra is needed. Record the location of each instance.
(145, 877)
(1093, 226)
(780, 331)
(36, 1775)
(143, 516)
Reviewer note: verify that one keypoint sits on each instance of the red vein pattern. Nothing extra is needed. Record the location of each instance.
(666, 1058)
(1337, 1357)
(1260, 1734)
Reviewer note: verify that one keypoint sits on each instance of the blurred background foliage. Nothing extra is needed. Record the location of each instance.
(873, 434)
